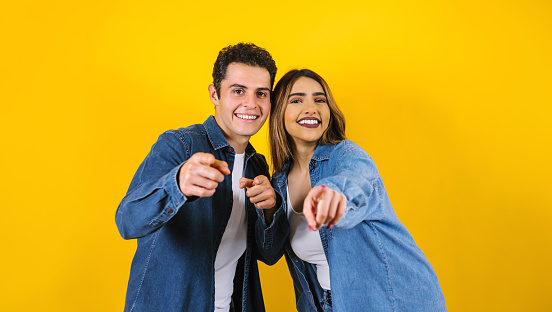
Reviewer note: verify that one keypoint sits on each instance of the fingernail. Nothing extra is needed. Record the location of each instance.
(322, 185)
(310, 228)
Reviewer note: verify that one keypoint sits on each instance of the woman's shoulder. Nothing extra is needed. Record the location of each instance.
(346, 147)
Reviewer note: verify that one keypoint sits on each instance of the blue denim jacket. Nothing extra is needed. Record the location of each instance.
(374, 262)
(178, 237)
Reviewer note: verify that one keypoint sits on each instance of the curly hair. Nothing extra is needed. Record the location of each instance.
(246, 53)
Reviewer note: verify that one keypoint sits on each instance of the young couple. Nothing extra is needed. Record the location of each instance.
(203, 209)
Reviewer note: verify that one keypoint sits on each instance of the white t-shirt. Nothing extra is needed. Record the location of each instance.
(307, 245)
(233, 243)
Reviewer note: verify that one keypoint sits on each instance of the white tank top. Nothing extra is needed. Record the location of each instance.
(307, 245)
(233, 243)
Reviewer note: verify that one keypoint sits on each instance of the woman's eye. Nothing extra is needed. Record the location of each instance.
(321, 101)
(295, 101)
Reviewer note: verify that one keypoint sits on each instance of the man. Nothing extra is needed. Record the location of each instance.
(186, 204)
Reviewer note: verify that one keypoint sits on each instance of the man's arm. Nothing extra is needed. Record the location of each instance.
(164, 182)
(271, 228)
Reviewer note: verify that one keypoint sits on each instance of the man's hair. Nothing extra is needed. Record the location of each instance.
(280, 149)
(245, 53)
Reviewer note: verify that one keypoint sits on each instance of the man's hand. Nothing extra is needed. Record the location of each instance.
(259, 191)
(201, 174)
(323, 205)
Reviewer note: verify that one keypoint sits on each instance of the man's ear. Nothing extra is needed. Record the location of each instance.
(213, 95)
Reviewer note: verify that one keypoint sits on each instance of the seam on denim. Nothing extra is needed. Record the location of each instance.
(386, 264)
(145, 270)
(181, 135)
(161, 219)
(311, 297)
(141, 168)
(215, 146)
(381, 202)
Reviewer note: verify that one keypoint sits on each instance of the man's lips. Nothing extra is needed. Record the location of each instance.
(247, 116)
(309, 122)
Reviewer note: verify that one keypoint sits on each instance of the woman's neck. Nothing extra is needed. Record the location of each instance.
(302, 154)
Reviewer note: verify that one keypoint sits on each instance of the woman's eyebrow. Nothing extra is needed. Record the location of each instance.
(304, 94)
(298, 94)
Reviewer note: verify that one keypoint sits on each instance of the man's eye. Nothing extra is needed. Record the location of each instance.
(262, 94)
(238, 91)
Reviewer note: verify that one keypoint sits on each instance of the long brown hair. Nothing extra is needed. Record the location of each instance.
(280, 148)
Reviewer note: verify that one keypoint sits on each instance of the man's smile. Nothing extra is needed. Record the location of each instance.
(246, 116)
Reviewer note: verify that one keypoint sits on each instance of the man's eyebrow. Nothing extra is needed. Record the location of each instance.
(238, 86)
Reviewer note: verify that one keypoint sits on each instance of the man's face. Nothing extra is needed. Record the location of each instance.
(243, 104)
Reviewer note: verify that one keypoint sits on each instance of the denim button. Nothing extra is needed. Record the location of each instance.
(231, 202)
(170, 211)
(221, 232)
(230, 149)
(261, 213)
(268, 231)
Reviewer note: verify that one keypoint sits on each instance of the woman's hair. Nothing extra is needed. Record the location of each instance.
(280, 148)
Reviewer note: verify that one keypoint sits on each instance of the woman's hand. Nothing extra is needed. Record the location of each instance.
(323, 205)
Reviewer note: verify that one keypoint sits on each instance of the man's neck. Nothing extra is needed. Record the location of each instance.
(239, 145)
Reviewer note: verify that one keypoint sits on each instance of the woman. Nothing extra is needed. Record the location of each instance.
(345, 248)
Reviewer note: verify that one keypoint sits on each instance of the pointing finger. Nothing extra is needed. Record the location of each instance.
(310, 206)
(245, 182)
(222, 166)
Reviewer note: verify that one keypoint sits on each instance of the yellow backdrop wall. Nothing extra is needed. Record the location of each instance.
(451, 98)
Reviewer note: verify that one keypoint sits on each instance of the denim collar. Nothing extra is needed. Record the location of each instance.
(321, 153)
(217, 138)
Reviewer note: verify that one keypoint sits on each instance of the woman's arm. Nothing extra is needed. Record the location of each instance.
(355, 175)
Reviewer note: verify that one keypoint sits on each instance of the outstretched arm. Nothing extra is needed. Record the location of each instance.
(355, 176)
(164, 182)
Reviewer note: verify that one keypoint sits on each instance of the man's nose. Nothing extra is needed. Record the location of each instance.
(250, 100)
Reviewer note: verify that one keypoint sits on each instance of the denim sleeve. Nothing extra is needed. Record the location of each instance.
(355, 175)
(154, 196)
(271, 239)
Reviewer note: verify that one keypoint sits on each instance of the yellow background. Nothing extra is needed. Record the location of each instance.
(452, 99)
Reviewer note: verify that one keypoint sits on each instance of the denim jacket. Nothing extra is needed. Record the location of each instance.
(178, 237)
(374, 262)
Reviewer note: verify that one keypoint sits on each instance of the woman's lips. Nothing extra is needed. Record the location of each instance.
(309, 122)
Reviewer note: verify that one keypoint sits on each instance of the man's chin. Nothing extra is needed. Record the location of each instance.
(248, 131)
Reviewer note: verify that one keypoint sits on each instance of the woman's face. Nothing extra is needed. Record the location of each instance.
(307, 114)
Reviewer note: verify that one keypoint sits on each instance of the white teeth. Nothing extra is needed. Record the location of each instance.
(309, 121)
(251, 117)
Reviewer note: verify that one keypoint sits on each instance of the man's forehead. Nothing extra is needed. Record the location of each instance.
(240, 74)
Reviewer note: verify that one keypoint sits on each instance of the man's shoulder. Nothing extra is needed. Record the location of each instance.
(189, 133)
